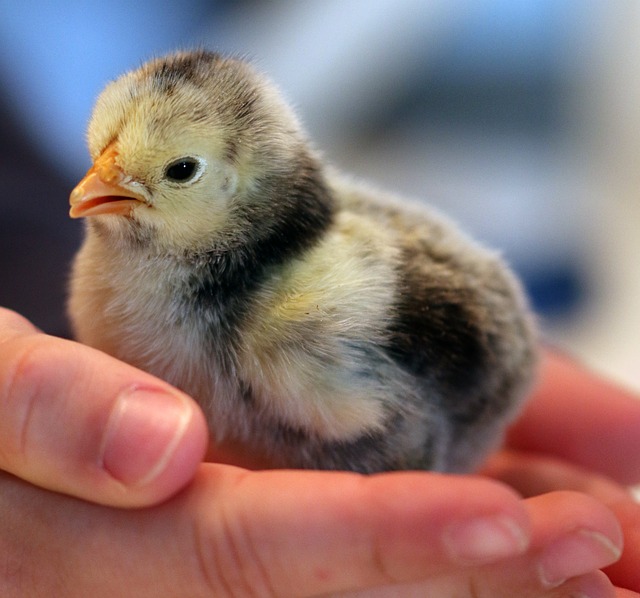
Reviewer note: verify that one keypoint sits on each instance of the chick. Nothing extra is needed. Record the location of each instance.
(320, 323)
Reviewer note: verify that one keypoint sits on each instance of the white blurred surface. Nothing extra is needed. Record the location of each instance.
(607, 334)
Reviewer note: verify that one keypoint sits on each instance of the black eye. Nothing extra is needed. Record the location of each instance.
(181, 170)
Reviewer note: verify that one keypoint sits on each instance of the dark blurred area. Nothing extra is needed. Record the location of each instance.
(37, 239)
(490, 110)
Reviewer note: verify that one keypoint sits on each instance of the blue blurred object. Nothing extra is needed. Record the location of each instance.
(55, 57)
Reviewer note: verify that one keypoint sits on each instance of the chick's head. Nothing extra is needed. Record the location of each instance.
(184, 150)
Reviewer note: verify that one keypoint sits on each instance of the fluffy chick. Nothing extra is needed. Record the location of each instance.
(320, 323)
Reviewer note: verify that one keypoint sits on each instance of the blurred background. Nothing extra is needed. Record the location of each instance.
(521, 119)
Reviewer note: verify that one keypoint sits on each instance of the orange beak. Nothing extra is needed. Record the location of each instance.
(102, 190)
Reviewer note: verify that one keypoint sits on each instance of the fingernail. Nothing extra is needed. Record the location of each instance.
(143, 432)
(485, 539)
(574, 554)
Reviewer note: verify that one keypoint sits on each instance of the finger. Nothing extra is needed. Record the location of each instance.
(626, 572)
(582, 418)
(291, 533)
(573, 536)
(532, 475)
(233, 532)
(77, 421)
(344, 531)
(593, 585)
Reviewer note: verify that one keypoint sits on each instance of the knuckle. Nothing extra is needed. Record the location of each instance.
(227, 560)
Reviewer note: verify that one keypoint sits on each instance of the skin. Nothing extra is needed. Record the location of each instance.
(197, 529)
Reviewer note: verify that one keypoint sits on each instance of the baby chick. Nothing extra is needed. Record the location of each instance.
(320, 323)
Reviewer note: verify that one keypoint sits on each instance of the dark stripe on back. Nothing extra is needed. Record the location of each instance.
(438, 335)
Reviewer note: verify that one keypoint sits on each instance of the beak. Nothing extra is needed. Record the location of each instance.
(102, 190)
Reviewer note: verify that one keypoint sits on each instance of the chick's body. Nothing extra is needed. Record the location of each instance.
(320, 323)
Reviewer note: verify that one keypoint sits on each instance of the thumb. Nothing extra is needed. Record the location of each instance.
(77, 421)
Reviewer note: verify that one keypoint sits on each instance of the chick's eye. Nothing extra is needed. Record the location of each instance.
(182, 170)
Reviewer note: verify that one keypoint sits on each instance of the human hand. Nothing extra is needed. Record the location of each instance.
(232, 531)
(579, 432)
